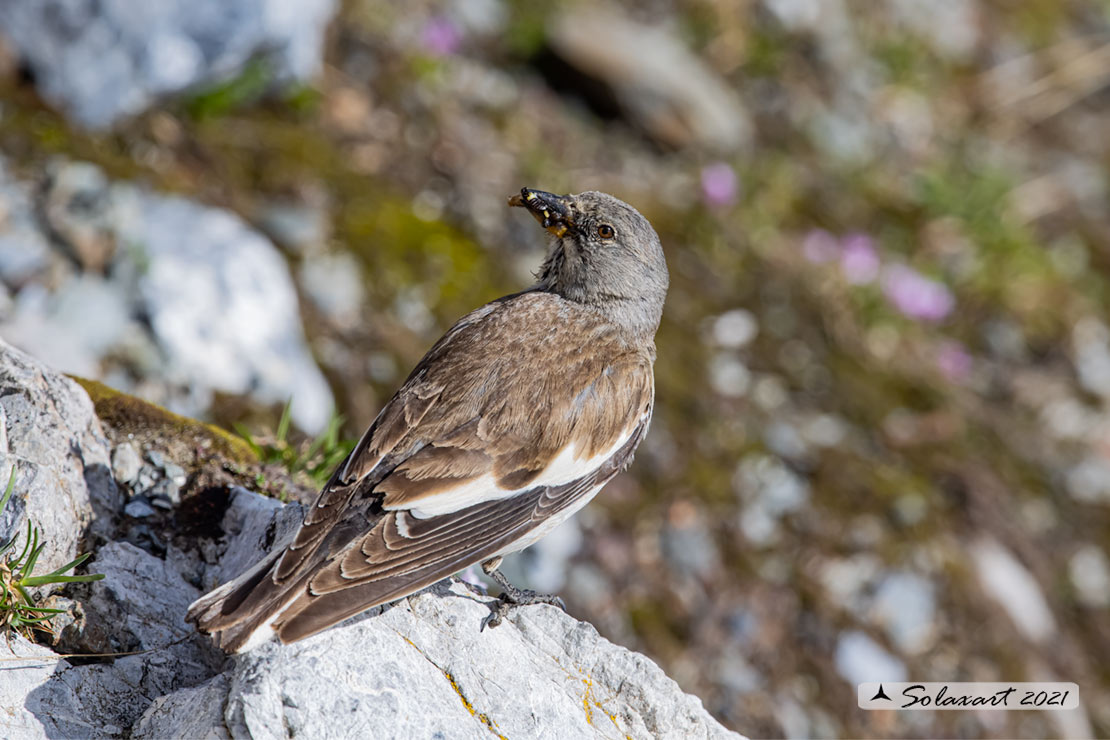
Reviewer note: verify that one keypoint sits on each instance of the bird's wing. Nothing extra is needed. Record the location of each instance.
(511, 418)
(404, 552)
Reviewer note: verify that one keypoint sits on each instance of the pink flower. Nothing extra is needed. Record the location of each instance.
(858, 259)
(440, 37)
(719, 184)
(915, 295)
(819, 246)
(953, 361)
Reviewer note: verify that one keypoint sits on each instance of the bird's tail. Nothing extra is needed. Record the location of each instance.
(239, 613)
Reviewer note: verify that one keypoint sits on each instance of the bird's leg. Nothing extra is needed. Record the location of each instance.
(511, 595)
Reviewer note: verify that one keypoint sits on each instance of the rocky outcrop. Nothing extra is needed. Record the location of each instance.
(421, 667)
(114, 280)
(101, 61)
(51, 439)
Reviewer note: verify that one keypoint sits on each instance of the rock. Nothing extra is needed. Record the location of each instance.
(334, 283)
(436, 674)
(125, 464)
(197, 710)
(139, 508)
(73, 327)
(223, 308)
(1009, 583)
(252, 524)
(144, 482)
(142, 597)
(21, 678)
(175, 473)
(78, 208)
(50, 435)
(657, 80)
(24, 249)
(102, 61)
(435, 670)
(198, 300)
(139, 605)
(300, 227)
(168, 491)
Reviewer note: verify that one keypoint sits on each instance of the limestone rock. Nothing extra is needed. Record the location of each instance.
(50, 436)
(102, 61)
(198, 299)
(423, 668)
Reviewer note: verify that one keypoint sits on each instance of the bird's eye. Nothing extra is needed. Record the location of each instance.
(605, 231)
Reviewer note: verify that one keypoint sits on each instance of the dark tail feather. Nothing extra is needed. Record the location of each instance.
(236, 610)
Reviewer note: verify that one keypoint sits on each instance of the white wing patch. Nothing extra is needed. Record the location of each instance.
(563, 468)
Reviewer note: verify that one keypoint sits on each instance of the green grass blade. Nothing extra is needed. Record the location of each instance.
(245, 433)
(45, 580)
(35, 620)
(29, 566)
(286, 418)
(26, 547)
(8, 490)
(44, 609)
(71, 564)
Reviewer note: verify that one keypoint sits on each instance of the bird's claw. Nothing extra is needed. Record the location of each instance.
(496, 614)
(525, 597)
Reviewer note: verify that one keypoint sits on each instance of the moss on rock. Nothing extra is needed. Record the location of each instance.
(150, 425)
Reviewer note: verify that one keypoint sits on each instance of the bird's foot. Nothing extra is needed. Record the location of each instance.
(523, 597)
(512, 596)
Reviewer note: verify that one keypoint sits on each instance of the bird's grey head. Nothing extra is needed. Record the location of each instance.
(605, 255)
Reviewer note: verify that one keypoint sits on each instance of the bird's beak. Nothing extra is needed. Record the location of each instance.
(552, 211)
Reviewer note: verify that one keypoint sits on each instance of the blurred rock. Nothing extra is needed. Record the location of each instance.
(139, 508)
(1089, 570)
(1089, 481)
(905, 605)
(688, 544)
(73, 327)
(659, 83)
(334, 283)
(24, 249)
(102, 61)
(193, 297)
(769, 491)
(1015, 589)
(77, 204)
(950, 27)
(1091, 345)
(301, 227)
(728, 375)
(223, 308)
(544, 565)
(125, 463)
(860, 659)
(735, 329)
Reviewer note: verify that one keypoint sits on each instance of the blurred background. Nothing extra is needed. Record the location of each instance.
(881, 446)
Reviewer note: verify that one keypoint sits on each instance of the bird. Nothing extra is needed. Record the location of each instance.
(510, 424)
